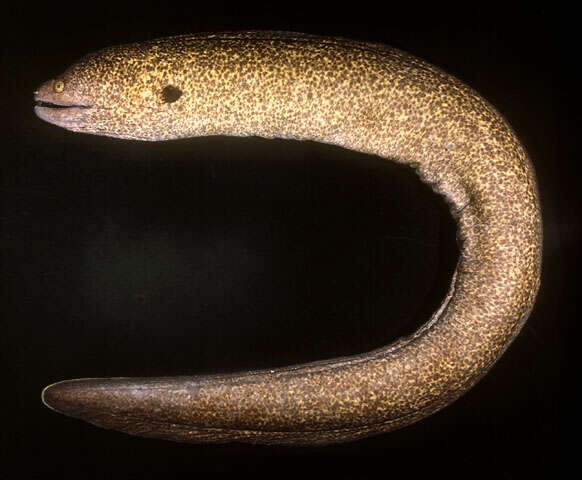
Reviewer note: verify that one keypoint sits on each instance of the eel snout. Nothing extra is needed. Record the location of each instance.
(59, 108)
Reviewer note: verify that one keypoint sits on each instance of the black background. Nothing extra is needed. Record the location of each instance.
(219, 254)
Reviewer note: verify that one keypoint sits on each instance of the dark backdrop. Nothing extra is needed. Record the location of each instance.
(219, 254)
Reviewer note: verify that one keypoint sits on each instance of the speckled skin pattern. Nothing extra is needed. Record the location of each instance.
(361, 96)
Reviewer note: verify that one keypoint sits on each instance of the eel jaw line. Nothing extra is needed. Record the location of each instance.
(45, 104)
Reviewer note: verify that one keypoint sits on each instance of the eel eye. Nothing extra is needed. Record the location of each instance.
(171, 94)
(58, 86)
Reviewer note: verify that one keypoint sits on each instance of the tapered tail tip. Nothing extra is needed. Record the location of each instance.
(74, 397)
(57, 396)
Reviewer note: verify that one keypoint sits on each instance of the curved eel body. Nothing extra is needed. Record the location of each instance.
(361, 96)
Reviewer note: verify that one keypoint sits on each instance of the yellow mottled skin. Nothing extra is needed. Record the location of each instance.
(365, 97)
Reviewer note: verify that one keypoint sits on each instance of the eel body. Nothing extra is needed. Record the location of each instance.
(362, 96)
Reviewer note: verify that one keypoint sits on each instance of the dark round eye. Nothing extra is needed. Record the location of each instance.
(171, 94)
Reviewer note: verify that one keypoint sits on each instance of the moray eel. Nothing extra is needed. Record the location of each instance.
(362, 96)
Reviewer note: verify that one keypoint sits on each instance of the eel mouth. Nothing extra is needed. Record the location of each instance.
(45, 104)
(68, 115)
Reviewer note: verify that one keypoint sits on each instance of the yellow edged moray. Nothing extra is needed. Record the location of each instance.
(362, 96)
